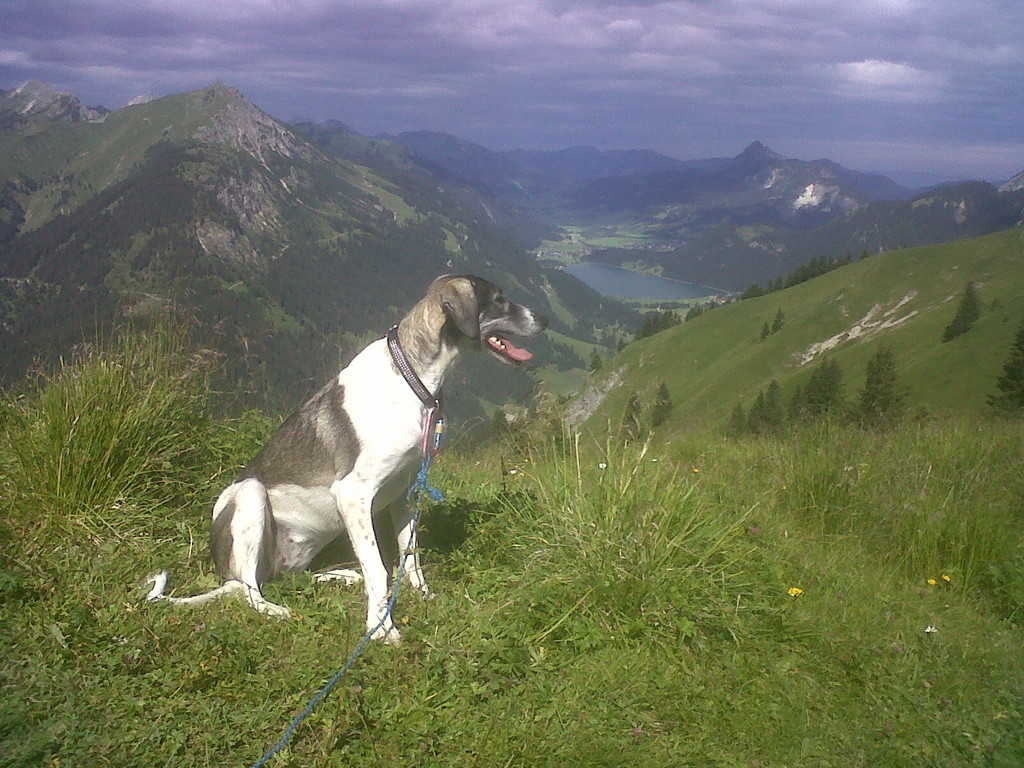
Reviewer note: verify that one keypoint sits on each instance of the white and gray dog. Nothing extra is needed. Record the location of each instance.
(352, 451)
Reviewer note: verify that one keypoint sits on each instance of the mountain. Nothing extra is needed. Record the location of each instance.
(282, 258)
(1013, 185)
(734, 255)
(758, 185)
(903, 299)
(388, 156)
(39, 102)
(529, 177)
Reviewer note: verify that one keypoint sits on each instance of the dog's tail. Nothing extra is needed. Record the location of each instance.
(159, 582)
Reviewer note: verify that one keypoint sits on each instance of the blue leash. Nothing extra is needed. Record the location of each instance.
(419, 488)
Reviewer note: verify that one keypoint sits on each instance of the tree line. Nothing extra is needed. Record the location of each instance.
(881, 401)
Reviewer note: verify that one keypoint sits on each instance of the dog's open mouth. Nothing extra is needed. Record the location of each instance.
(506, 350)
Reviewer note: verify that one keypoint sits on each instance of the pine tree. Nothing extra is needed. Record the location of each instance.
(824, 393)
(881, 401)
(967, 313)
(1011, 381)
(630, 428)
(737, 425)
(765, 331)
(779, 321)
(596, 364)
(766, 414)
(662, 406)
(797, 406)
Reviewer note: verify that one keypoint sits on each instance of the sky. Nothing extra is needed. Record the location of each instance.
(933, 86)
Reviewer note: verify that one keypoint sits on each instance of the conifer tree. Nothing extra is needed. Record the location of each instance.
(967, 313)
(596, 364)
(881, 401)
(766, 414)
(779, 321)
(737, 422)
(662, 406)
(630, 428)
(797, 409)
(1011, 381)
(765, 331)
(824, 393)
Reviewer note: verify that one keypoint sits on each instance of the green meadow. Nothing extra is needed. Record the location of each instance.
(828, 595)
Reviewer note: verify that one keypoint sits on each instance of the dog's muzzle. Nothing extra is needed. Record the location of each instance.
(526, 322)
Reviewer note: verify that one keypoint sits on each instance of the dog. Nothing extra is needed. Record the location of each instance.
(351, 451)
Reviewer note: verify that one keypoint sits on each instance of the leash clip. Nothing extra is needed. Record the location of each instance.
(433, 430)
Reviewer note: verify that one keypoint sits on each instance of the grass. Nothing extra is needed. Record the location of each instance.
(718, 360)
(597, 603)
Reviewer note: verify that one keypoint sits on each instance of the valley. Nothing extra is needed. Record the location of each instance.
(284, 247)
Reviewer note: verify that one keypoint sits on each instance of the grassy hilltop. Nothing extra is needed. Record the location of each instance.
(830, 596)
(903, 299)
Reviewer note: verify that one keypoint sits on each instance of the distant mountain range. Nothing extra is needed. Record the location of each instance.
(285, 247)
(280, 255)
(531, 177)
(737, 254)
(727, 222)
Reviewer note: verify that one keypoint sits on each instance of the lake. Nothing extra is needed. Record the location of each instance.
(626, 284)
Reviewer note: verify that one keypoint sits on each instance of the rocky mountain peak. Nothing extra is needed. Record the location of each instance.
(142, 98)
(1014, 184)
(241, 123)
(757, 154)
(36, 101)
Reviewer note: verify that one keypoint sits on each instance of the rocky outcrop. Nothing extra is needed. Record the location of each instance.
(36, 101)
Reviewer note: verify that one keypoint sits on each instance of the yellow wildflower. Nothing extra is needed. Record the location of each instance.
(932, 583)
(795, 591)
(947, 578)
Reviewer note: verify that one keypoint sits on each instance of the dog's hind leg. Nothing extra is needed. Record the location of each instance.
(243, 538)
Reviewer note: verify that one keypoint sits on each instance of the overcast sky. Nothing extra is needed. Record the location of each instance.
(919, 85)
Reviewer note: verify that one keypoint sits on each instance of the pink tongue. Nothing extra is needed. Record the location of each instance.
(511, 351)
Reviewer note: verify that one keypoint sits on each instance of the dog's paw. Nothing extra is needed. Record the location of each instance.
(345, 575)
(387, 634)
(391, 637)
(159, 582)
(273, 610)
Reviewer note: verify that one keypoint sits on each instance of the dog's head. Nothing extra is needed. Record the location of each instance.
(477, 310)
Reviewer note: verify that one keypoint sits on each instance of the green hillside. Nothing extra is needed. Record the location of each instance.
(903, 299)
(280, 257)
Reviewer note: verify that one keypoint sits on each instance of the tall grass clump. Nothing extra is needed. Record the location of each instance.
(104, 440)
(608, 541)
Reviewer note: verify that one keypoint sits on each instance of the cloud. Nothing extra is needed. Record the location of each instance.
(689, 77)
(887, 81)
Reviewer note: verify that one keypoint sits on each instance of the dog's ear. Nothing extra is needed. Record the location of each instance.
(461, 306)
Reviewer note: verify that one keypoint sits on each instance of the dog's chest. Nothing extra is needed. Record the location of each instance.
(385, 414)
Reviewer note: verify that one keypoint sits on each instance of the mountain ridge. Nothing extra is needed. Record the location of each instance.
(281, 257)
(35, 101)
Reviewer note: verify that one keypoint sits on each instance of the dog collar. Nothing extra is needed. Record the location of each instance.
(433, 426)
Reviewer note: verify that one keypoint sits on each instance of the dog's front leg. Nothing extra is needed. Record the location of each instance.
(355, 502)
(408, 547)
